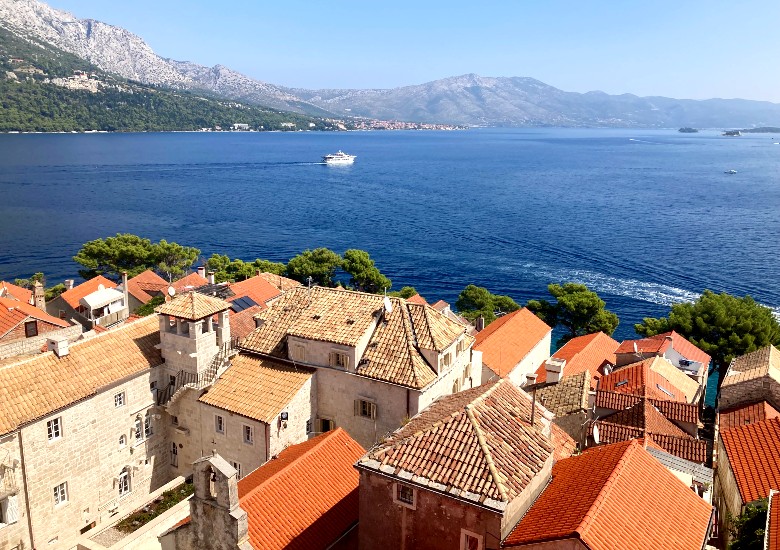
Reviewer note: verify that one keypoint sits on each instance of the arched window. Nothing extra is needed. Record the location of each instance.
(124, 483)
(122, 441)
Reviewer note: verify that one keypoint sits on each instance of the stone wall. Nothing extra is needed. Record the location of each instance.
(89, 457)
(750, 391)
(10, 347)
(16, 534)
(727, 497)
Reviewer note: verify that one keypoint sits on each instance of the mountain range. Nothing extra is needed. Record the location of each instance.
(467, 99)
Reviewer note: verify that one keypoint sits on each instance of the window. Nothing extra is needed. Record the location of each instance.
(338, 359)
(298, 353)
(124, 483)
(62, 314)
(119, 399)
(153, 385)
(366, 409)
(327, 425)
(54, 428)
(249, 436)
(447, 359)
(174, 455)
(237, 466)
(405, 495)
(219, 424)
(470, 541)
(61, 493)
(30, 329)
(148, 431)
(174, 420)
(9, 511)
(308, 426)
(122, 441)
(139, 430)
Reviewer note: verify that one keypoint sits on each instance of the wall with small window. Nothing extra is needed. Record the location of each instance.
(394, 510)
(21, 340)
(327, 354)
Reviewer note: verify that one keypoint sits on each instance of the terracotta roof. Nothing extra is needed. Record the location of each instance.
(753, 451)
(508, 339)
(192, 306)
(590, 352)
(742, 415)
(655, 378)
(756, 364)
(307, 497)
(417, 299)
(86, 288)
(674, 410)
(564, 445)
(616, 496)
(477, 443)
(345, 317)
(243, 322)
(440, 306)
(282, 283)
(660, 344)
(145, 284)
(188, 282)
(13, 312)
(567, 396)
(256, 388)
(35, 387)
(257, 288)
(15, 292)
(772, 537)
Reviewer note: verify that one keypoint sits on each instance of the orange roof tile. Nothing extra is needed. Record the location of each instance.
(305, 498)
(746, 414)
(643, 379)
(32, 388)
(86, 288)
(257, 288)
(143, 285)
(479, 441)
(674, 410)
(753, 451)
(417, 299)
(192, 306)
(256, 388)
(15, 292)
(508, 339)
(615, 496)
(243, 322)
(590, 352)
(659, 344)
(282, 283)
(13, 312)
(188, 282)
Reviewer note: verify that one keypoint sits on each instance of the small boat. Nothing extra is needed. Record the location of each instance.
(339, 158)
(730, 172)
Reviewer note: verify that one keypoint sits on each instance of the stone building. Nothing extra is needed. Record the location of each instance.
(143, 287)
(24, 329)
(752, 378)
(461, 473)
(96, 302)
(378, 360)
(594, 353)
(80, 437)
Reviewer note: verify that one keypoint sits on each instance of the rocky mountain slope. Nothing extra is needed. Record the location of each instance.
(468, 99)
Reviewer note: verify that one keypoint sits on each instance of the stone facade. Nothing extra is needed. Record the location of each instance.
(21, 345)
(14, 530)
(764, 388)
(727, 497)
(97, 444)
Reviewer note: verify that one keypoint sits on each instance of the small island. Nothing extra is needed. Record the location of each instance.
(686, 130)
(762, 130)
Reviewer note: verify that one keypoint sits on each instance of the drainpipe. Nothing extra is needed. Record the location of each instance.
(26, 493)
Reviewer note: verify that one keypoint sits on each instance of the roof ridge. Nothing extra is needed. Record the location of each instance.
(305, 454)
(601, 497)
(486, 451)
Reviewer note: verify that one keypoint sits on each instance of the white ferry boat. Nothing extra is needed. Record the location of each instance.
(339, 158)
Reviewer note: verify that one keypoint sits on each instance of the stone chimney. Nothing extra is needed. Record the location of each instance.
(554, 368)
(68, 284)
(39, 296)
(212, 279)
(202, 271)
(480, 323)
(257, 273)
(59, 345)
(124, 289)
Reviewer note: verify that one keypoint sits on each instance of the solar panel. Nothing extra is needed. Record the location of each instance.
(240, 304)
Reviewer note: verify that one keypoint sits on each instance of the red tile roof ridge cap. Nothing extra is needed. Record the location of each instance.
(486, 450)
(305, 454)
(601, 498)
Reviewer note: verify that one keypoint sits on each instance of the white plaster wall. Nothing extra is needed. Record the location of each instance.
(538, 355)
(88, 457)
(302, 408)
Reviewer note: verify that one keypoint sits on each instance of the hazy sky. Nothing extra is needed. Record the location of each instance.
(682, 48)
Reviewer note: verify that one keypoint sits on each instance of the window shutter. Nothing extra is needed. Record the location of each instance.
(12, 510)
(346, 362)
(357, 407)
(332, 359)
(373, 411)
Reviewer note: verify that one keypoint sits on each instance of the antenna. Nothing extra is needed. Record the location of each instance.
(309, 280)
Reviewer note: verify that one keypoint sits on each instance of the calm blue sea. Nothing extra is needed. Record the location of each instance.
(645, 218)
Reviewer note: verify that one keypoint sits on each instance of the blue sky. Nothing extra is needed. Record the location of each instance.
(683, 49)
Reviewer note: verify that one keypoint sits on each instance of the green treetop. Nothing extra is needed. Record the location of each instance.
(365, 275)
(475, 301)
(320, 264)
(238, 270)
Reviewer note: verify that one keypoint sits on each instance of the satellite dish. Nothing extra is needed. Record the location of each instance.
(595, 434)
(388, 305)
(171, 291)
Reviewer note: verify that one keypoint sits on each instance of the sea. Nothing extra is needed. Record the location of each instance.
(646, 218)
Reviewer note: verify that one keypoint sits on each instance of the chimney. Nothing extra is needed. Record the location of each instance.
(554, 368)
(124, 289)
(480, 323)
(39, 296)
(68, 284)
(59, 345)
(258, 272)
(202, 271)
(530, 380)
(212, 280)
